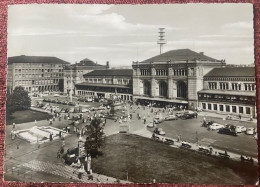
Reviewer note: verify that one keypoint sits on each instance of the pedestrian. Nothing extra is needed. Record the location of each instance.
(58, 154)
(251, 118)
(13, 125)
(35, 122)
(196, 115)
(50, 137)
(240, 117)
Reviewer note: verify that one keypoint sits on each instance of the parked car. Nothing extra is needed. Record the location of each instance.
(216, 126)
(240, 129)
(150, 125)
(171, 117)
(178, 114)
(157, 121)
(250, 131)
(227, 131)
(56, 95)
(185, 144)
(159, 131)
(84, 110)
(72, 103)
(169, 141)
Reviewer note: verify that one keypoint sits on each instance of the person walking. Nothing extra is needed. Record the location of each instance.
(13, 126)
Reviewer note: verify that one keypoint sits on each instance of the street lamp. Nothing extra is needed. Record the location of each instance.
(126, 175)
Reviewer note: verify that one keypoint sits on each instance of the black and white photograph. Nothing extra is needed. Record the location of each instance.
(100, 93)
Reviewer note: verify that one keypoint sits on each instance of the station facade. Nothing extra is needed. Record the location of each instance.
(229, 90)
(73, 74)
(172, 78)
(112, 83)
(35, 73)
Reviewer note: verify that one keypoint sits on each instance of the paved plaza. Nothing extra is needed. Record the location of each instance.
(30, 162)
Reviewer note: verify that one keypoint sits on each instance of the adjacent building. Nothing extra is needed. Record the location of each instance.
(172, 78)
(35, 73)
(229, 90)
(106, 84)
(73, 74)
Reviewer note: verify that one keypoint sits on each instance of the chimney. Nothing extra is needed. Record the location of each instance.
(107, 65)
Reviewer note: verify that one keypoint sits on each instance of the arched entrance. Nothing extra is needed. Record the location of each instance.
(181, 89)
(163, 89)
(147, 88)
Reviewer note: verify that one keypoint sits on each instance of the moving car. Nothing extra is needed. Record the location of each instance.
(216, 126)
(227, 131)
(250, 131)
(159, 131)
(171, 117)
(187, 116)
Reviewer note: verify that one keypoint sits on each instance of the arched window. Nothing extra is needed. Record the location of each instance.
(163, 89)
(181, 89)
(147, 88)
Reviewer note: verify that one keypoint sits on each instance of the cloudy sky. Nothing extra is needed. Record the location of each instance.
(125, 33)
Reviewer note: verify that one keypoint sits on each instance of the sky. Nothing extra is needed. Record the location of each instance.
(122, 34)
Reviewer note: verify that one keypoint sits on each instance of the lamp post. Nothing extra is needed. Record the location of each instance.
(126, 175)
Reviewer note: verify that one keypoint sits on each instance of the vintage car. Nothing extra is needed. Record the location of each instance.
(159, 131)
(171, 117)
(216, 126)
(227, 131)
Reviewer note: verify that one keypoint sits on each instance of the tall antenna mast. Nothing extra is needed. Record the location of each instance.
(161, 41)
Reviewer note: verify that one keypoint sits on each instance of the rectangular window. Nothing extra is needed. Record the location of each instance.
(209, 106)
(221, 108)
(234, 109)
(241, 110)
(215, 107)
(204, 105)
(227, 108)
(248, 110)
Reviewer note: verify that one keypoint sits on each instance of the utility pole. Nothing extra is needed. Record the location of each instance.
(71, 84)
(161, 41)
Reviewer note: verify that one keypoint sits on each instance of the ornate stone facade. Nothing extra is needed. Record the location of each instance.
(172, 79)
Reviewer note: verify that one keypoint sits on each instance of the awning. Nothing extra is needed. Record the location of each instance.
(161, 99)
(228, 92)
(103, 85)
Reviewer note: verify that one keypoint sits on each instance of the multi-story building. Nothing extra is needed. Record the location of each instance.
(73, 74)
(107, 84)
(35, 73)
(229, 90)
(172, 78)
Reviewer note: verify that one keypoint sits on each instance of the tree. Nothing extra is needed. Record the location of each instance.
(95, 137)
(18, 100)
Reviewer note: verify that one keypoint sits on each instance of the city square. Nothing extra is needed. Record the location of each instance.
(179, 110)
(235, 146)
